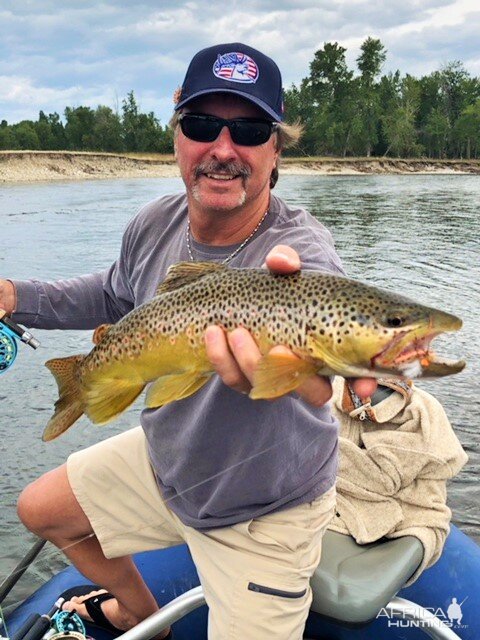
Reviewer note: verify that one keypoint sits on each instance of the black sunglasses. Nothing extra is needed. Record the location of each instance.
(248, 132)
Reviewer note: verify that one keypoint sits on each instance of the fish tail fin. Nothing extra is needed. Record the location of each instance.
(108, 397)
(69, 406)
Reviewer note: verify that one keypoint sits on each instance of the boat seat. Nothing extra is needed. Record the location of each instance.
(353, 582)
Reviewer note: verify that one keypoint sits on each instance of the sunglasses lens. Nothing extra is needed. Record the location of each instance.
(200, 129)
(248, 133)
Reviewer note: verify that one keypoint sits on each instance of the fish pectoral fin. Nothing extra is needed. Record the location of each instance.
(108, 397)
(317, 349)
(279, 373)
(182, 273)
(175, 387)
(100, 332)
(69, 406)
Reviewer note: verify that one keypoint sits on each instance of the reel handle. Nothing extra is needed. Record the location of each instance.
(10, 332)
(18, 331)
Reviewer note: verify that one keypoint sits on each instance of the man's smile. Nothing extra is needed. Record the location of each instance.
(220, 176)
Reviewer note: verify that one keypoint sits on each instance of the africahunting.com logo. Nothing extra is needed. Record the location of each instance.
(413, 615)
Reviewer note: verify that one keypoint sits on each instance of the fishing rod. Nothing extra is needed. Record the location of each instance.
(10, 333)
(42, 624)
(7, 585)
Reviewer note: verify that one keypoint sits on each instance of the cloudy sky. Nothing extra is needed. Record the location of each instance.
(79, 52)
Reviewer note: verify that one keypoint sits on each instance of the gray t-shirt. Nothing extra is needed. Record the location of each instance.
(219, 457)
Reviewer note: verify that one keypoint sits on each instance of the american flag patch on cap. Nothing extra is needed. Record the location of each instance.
(236, 67)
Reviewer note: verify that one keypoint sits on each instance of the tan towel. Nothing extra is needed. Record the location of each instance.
(393, 472)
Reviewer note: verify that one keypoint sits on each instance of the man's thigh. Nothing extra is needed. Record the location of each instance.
(116, 488)
(256, 574)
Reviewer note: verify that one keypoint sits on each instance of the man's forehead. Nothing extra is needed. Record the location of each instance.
(213, 101)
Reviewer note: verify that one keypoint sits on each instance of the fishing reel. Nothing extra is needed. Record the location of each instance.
(67, 623)
(10, 333)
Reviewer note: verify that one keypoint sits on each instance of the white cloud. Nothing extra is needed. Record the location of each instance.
(20, 90)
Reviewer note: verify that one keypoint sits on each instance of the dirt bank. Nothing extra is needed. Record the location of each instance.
(357, 166)
(36, 166)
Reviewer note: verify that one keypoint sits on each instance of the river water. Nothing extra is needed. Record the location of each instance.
(418, 235)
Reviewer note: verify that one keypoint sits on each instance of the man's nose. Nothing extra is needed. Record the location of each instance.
(223, 148)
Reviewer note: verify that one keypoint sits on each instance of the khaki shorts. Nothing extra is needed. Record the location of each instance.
(255, 574)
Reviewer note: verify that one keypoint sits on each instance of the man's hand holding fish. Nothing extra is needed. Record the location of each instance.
(236, 355)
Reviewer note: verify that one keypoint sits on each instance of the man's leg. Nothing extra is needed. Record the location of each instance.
(256, 575)
(50, 508)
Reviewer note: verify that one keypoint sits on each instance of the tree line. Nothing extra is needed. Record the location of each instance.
(87, 129)
(345, 113)
(364, 114)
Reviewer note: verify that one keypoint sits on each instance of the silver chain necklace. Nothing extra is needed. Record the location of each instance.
(237, 250)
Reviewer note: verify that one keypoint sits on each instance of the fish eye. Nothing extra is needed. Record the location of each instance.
(395, 321)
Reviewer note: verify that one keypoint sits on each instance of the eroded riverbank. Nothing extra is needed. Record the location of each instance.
(37, 166)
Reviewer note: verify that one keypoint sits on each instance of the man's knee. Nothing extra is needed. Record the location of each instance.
(48, 507)
(29, 508)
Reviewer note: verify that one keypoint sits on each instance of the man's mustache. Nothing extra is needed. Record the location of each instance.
(234, 169)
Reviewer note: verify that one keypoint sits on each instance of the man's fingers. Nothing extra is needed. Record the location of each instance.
(245, 351)
(363, 387)
(224, 363)
(316, 390)
(283, 259)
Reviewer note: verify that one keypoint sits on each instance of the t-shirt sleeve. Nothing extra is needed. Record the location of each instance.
(82, 302)
(296, 228)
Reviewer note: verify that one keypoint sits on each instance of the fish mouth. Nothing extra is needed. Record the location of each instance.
(412, 356)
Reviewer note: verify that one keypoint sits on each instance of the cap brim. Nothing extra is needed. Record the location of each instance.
(245, 96)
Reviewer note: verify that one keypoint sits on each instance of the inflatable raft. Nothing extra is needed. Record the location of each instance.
(358, 593)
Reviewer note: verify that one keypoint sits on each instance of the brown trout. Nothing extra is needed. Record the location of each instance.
(334, 325)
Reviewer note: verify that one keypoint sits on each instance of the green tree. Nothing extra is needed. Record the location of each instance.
(371, 60)
(107, 130)
(149, 132)
(332, 90)
(389, 91)
(366, 122)
(299, 108)
(79, 128)
(44, 132)
(166, 144)
(25, 135)
(329, 72)
(7, 137)
(437, 130)
(130, 122)
(400, 133)
(467, 131)
(457, 89)
(143, 131)
(58, 131)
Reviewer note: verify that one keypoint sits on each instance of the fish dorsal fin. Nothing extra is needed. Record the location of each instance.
(100, 332)
(182, 273)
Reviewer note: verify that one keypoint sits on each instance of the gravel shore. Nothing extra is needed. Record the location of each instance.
(37, 166)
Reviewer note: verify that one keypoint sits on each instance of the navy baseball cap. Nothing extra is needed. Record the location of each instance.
(235, 68)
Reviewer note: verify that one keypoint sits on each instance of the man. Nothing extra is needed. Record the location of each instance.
(249, 485)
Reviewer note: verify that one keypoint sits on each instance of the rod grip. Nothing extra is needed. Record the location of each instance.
(26, 626)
